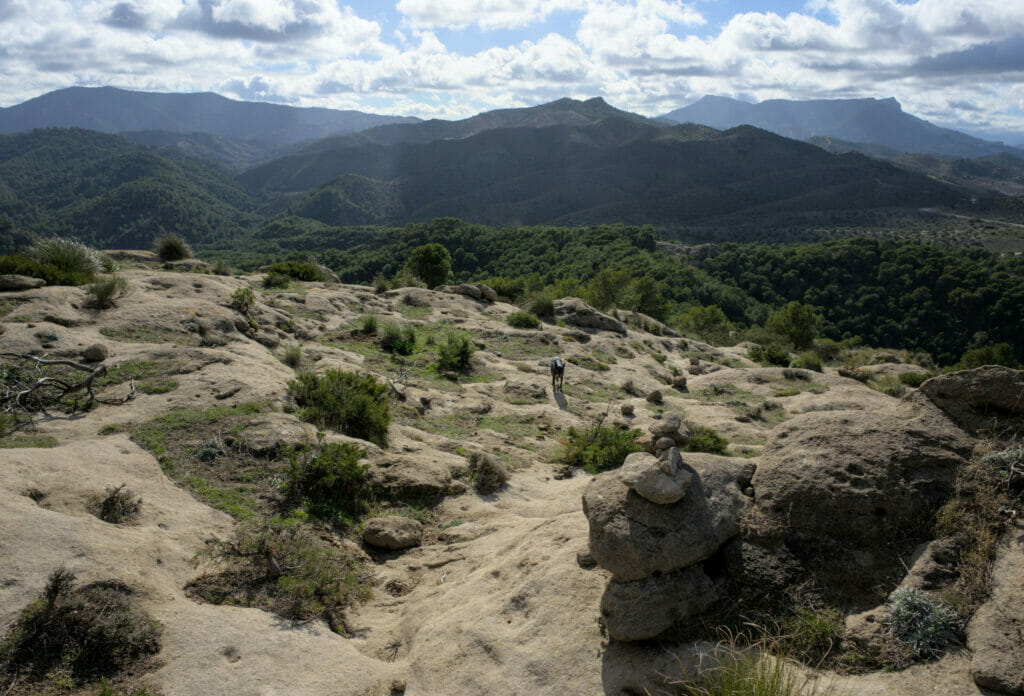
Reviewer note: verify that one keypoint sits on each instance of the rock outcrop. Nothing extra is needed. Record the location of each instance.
(980, 398)
(476, 291)
(393, 533)
(12, 281)
(575, 312)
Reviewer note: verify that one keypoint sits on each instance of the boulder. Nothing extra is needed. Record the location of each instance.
(270, 434)
(404, 478)
(670, 423)
(97, 352)
(626, 409)
(476, 291)
(655, 397)
(13, 282)
(393, 533)
(858, 476)
(575, 312)
(865, 632)
(662, 481)
(974, 398)
(633, 537)
(646, 608)
(679, 382)
(995, 632)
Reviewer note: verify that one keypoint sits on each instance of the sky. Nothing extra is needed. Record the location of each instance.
(957, 63)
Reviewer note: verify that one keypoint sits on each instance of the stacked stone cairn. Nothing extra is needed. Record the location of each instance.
(666, 433)
(652, 525)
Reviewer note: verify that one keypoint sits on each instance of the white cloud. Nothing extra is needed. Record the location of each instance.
(486, 14)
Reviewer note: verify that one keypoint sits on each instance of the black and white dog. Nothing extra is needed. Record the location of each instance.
(557, 374)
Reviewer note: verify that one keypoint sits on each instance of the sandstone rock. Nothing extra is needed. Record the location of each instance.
(404, 478)
(626, 409)
(393, 533)
(995, 632)
(655, 397)
(12, 282)
(671, 422)
(865, 632)
(853, 373)
(973, 398)
(525, 391)
(860, 475)
(663, 443)
(662, 481)
(575, 312)
(633, 537)
(269, 434)
(487, 292)
(646, 608)
(933, 565)
(97, 352)
(584, 559)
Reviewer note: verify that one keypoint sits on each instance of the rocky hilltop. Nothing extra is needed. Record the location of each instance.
(546, 580)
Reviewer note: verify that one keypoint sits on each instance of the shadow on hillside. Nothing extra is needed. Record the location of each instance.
(563, 403)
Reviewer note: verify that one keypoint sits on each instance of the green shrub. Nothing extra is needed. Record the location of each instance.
(827, 349)
(20, 264)
(486, 473)
(210, 450)
(348, 402)
(331, 482)
(914, 379)
(1009, 464)
(171, 247)
(455, 353)
(996, 354)
(523, 320)
(430, 263)
(118, 506)
(599, 448)
(243, 300)
(299, 270)
(927, 625)
(221, 268)
(399, 340)
(69, 255)
(541, 305)
(292, 356)
(282, 566)
(380, 284)
(771, 354)
(78, 633)
(276, 279)
(104, 292)
(891, 386)
(368, 324)
(808, 361)
(706, 440)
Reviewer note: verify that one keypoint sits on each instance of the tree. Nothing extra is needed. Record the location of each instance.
(431, 263)
(797, 323)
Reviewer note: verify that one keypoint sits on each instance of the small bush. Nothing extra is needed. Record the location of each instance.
(20, 264)
(1009, 464)
(107, 290)
(348, 402)
(243, 300)
(399, 340)
(281, 566)
(486, 473)
(808, 361)
(771, 354)
(69, 255)
(210, 450)
(331, 482)
(891, 386)
(276, 279)
(221, 268)
(706, 440)
(299, 270)
(541, 305)
(171, 247)
(368, 324)
(292, 356)
(79, 633)
(827, 349)
(455, 353)
(523, 320)
(925, 624)
(599, 448)
(380, 284)
(913, 379)
(118, 506)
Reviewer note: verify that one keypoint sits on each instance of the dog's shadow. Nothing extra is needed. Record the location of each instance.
(563, 403)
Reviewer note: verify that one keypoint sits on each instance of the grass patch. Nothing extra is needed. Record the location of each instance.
(523, 320)
(24, 441)
(588, 363)
(118, 506)
(157, 386)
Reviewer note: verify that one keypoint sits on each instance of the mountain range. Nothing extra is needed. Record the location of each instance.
(866, 122)
(565, 162)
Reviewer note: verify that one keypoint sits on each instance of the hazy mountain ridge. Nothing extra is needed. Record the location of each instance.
(112, 110)
(876, 121)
